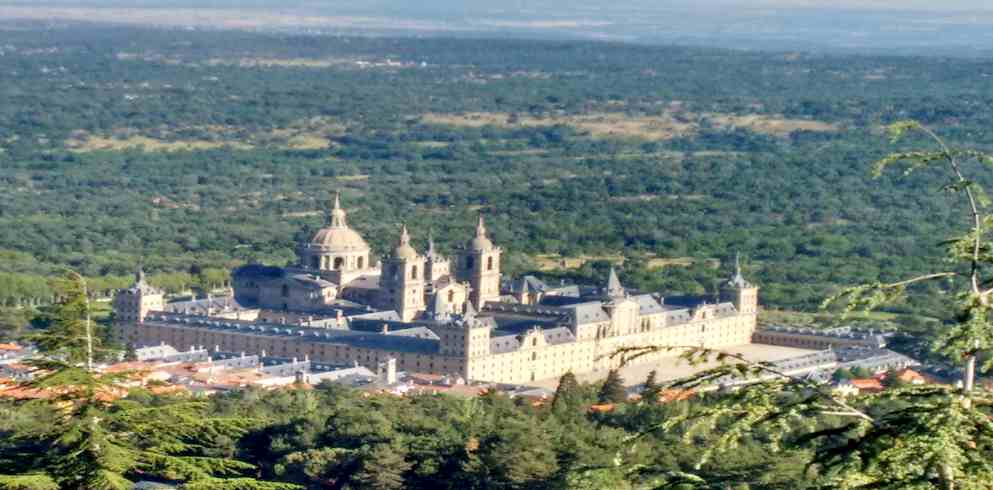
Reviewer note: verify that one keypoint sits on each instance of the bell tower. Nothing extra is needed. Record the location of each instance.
(402, 282)
(133, 304)
(743, 294)
(479, 265)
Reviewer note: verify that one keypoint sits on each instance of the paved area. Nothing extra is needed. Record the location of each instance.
(673, 368)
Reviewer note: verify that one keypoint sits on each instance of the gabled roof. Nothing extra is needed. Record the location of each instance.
(558, 335)
(648, 304)
(590, 312)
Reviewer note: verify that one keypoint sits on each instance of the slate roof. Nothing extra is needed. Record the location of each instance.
(369, 281)
(398, 343)
(589, 312)
(419, 332)
(558, 335)
(311, 282)
(200, 306)
(504, 343)
(648, 304)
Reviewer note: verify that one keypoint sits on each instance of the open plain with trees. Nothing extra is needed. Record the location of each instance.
(194, 151)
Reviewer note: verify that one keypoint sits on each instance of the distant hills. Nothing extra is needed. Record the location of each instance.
(953, 28)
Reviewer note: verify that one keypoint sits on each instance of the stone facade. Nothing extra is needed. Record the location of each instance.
(336, 264)
(467, 324)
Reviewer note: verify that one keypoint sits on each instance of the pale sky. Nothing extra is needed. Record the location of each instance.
(935, 5)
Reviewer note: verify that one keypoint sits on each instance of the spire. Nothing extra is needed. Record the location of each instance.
(403, 249)
(338, 214)
(139, 276)
(614, 288)
(481, 227)
(431, 251)
(481, 243)
(738, 280)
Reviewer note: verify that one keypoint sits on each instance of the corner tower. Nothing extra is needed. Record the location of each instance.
(479, 265)
(402, 282)
(133, 304)
(743, 294)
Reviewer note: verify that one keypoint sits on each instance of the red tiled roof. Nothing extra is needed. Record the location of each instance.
(867, 384)
(909, 375)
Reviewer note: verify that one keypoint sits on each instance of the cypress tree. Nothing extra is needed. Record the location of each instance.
(652, 391)
(612, 390)
(568, 395)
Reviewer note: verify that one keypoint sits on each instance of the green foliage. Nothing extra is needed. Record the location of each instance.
(652, 390)
(612, 390)
(916, 437)
(94, 440)
(795, 203)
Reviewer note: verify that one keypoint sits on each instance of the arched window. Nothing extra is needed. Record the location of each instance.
(413, 272)
(338, 262)
(469, 262)
(361, 263)
(285, 290)
(489, 263)
(451, 296)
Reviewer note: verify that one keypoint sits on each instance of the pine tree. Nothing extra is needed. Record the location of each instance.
(382, 468)
(101, 443)
(613, 390)
(931, 436)
(652, 392)
(568, 395)
(842, 374)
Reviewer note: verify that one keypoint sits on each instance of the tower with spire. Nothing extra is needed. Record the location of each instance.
(133, 304)
(623, 311)
(436, 266)
(402, 280)
(479, 264)
(743, 294)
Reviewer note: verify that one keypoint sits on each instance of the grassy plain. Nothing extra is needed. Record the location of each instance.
(666, 126)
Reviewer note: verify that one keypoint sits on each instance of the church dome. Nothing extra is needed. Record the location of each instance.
(481, 243)
(337, 236)
(403, 249)
(339, 239)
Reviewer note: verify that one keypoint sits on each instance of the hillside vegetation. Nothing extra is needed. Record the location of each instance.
(205, 149)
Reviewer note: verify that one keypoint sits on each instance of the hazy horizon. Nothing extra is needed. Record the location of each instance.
(956, 27)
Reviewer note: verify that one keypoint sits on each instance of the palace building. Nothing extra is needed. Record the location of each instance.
(432, 314)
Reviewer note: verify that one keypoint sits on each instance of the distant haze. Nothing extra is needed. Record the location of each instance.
(955, 27)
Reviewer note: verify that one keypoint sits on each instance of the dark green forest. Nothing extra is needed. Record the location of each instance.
(337, 438)
(196, 150)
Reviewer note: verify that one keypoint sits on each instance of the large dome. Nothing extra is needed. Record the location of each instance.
(339, 239)
(337, 236)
